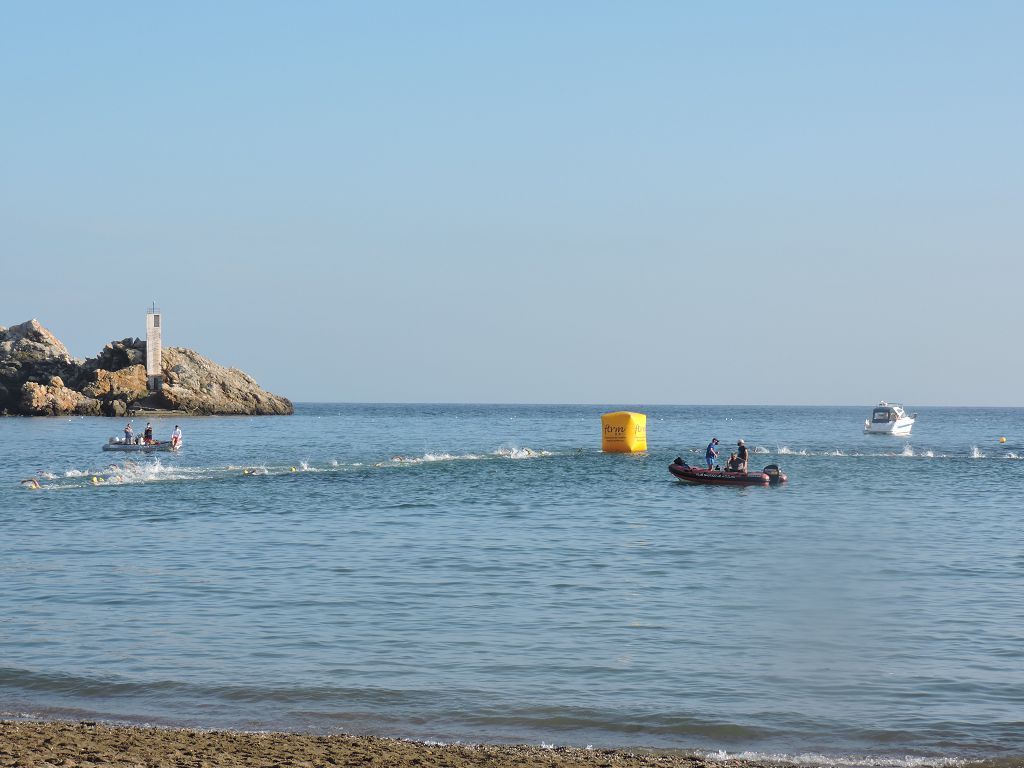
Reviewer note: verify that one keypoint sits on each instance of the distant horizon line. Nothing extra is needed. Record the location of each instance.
(644, 405)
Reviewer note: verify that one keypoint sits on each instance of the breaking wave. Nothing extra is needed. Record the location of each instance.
(843, 761)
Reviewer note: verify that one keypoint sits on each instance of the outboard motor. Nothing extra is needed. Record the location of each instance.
(679, 462)
(775, 475)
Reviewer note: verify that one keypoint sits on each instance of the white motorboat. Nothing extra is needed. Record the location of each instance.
(118, 444)
(889, 419)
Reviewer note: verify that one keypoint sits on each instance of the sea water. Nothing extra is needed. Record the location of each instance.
(485, 573)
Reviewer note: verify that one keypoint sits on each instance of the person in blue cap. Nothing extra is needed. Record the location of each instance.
(711, 453)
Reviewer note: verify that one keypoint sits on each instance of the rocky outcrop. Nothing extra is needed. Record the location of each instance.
(196, 384)
(119, 354)
(38, 377)
(116, 390)
(30, 342)
(30, 354)
(128, 384)
(54, 399)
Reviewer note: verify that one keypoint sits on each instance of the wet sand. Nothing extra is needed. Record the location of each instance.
(30, 744)
(70, 745)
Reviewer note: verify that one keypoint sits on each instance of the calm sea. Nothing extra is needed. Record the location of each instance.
(485, 573)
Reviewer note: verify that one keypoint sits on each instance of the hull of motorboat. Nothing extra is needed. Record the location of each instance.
(138, 447)
(898, 428)
(770, 475)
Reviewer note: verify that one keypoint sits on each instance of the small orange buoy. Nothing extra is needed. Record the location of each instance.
(1002, 439)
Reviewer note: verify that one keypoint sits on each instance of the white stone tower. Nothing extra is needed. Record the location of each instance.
(154, 350)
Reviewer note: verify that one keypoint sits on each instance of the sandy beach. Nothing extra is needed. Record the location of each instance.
(46, 744)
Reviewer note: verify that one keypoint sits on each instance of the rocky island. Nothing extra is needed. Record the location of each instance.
(38, 377)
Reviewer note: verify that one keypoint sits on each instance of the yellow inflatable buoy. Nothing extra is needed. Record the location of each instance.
(1002, 439)
(623, 432)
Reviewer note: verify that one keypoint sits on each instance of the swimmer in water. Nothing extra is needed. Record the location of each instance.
(31, 483)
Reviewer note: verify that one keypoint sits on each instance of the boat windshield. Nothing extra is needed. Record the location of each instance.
(883, 415)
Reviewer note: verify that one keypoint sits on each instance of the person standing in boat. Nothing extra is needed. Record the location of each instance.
(741, 454)
(711, 453)
(147, 436)
(176, 438)
(129, 433)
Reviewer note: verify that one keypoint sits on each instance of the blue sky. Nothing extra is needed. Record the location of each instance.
(661, 202)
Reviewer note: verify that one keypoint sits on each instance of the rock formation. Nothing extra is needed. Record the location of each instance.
(54, 399)
(195, 384)
(38, 377)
